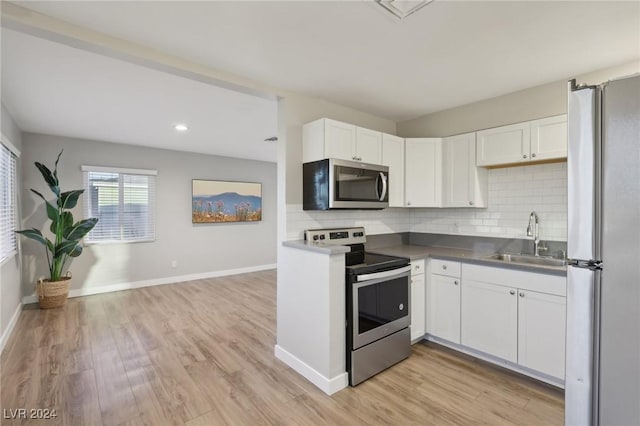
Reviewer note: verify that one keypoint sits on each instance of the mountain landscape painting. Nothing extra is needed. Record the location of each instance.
(215, 201)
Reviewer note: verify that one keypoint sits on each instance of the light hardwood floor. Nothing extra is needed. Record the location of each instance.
(201, 353)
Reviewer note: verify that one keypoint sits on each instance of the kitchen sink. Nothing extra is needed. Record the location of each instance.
(528, 259)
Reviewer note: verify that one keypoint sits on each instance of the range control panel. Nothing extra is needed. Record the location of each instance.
(336, 236)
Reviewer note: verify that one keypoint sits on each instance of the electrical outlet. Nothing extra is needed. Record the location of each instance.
(174, 263)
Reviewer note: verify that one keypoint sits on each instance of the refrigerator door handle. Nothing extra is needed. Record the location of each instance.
(592, 265)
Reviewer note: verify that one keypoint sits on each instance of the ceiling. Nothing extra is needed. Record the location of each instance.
(353, 53)
(55, 89)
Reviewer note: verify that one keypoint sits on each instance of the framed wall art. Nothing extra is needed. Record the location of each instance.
(216, 201)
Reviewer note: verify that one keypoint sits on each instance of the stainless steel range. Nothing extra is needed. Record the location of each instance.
(378, 294)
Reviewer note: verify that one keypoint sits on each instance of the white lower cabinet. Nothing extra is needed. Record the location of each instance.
(490, 319)
(541, 332)
(417, 307)
(443, 300)
(503, 314)
(443, 313)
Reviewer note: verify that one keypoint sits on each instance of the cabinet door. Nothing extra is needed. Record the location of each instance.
(443, 307)
(393, 157)
(456, 190)
(464, 184)
(490, 319)
(339, 140)
(417, 306)
(503, 145)
(423, 172)
(541, 332)
(549, 138)
(368, 146)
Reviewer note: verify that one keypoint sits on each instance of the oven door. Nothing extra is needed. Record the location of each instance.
(380, 305)
(358, 185)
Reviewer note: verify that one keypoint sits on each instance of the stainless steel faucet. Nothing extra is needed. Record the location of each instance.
(533, 231)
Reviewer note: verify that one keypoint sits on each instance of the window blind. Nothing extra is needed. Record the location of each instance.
(123, 202)
(8, 203)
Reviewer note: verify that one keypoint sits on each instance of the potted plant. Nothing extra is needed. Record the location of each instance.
(53, 292)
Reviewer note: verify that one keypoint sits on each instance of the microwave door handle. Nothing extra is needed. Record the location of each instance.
(384, 185)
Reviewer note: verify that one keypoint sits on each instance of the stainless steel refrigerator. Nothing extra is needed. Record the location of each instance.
(602, 383)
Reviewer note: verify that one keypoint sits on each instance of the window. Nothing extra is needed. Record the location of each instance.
(123, 200)
(8, 200)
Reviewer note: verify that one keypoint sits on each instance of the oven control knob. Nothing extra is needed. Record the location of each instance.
(322, 236)
(401, 307)
(315, 237)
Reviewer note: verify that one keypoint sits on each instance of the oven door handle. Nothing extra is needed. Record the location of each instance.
(384, 274)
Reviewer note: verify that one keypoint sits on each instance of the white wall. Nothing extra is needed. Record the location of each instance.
(10, 276)
(198, 249)
(513, 194)
(528, 104)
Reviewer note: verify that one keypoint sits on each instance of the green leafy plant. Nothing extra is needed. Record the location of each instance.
(67, 233)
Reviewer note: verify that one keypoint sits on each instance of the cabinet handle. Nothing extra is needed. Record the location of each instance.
(455, 282)
(533, 155)
(521, 294)
(524, 155)
(444, 267)
(354, 158)
(512, 292)
(470, 203)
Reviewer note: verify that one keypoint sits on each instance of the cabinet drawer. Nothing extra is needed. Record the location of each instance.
(417, 267)
(533, 281)
(449, 268)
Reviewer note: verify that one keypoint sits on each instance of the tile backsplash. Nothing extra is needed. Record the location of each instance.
(513, 193)
(385, 221)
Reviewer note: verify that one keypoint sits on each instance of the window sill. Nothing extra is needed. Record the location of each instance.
(107, 242)
(9, 257)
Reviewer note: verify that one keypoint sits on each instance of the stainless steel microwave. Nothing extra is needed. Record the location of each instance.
(339, 184)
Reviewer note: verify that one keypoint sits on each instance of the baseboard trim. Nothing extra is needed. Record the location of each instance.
(12, 323)
(328, 386)
(497, 361)
(88, 291)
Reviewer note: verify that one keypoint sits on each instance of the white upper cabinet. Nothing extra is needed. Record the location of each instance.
(549, 138)
(339, 140)
(503, 145)
(538, 140)
(368, 147)
(326, 138)
(464, 183)
(393, 157)
(423, 172)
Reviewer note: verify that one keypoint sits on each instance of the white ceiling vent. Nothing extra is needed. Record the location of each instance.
(403, 8)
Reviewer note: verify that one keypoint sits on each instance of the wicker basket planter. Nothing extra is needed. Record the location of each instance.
(53, 294)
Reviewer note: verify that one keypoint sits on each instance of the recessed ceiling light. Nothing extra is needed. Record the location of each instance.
(181, 127)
